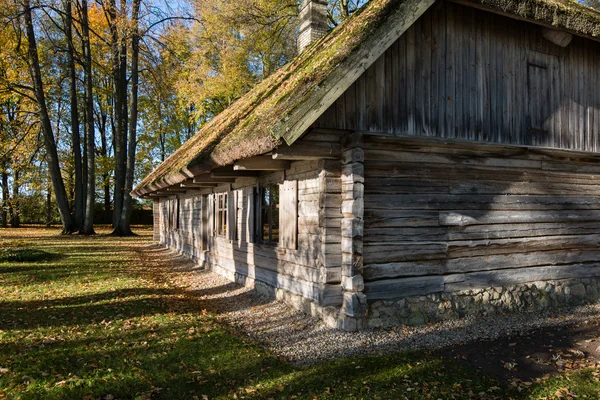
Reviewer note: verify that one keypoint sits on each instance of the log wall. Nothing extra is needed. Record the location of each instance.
(463, 73)
(311, 271)
(451, 216)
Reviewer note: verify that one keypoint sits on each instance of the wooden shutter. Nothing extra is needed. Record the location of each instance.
(232, 207)
(211, 215)
(288, 214)
(250, 215)
(177, 211)
(171, 214)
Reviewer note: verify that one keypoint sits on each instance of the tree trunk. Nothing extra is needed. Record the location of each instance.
(49, 204)
(5, 200)
(78, 202)
(123, 223)
(15, 218)
(119, 70)
(53, 163)
(344, 9)
(105, 176)
(88, 225)
(122, 227)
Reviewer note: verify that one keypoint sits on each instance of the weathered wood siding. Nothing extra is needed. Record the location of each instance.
(463, 73)
(445, 216)
(156, 220)
(312, 269)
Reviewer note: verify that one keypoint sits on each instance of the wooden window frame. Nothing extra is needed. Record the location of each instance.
(220, 214)
(260, 207)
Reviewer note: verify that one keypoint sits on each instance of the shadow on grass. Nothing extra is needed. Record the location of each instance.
(20, 255)
(179, 360)
(113, 305)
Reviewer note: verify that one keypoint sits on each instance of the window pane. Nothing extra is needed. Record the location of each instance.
(266, 196)
(264, 217)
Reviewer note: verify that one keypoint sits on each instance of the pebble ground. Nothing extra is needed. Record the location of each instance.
(301, 339)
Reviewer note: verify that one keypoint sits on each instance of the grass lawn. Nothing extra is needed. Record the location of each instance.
(84, 318)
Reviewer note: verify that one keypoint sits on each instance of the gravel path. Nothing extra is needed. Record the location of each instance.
(302, 339)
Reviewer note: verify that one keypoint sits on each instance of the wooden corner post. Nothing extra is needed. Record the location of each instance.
(354, 307)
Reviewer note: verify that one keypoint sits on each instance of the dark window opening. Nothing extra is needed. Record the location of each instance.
(269, 215)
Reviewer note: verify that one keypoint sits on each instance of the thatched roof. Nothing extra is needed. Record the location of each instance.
(285, 104)
(569, 15)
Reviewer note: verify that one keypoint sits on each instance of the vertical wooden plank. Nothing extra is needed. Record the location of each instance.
(459, 59)
(350, 108)
(371, 96)
(394, 106)
(450, 97)
(361, 109)
(231, 214)
(388, 87)
(250, 214)
(380, 93)
(402, 93)
(426, 50)
(340, 112)
(288, 208)
(410, 78)
(438, 68)
(506, 83)
(587, 70)
(596, 95)
(580, 125)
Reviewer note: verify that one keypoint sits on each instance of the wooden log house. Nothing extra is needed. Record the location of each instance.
(424, 160)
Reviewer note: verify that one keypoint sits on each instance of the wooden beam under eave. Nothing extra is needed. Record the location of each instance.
(175, 190)
(228, 172)
(192, 186)
(261, 163)
(206, 179)
(308, 151)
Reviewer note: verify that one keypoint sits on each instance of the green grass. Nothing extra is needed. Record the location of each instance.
(94, 322)
(24, 255)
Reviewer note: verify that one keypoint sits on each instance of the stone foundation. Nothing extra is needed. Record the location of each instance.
(494, 300)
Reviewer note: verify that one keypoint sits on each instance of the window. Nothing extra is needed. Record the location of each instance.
(173, 214)
(221, 214)
(269, 215)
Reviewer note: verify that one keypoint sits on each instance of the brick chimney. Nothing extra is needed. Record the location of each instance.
(313, 22)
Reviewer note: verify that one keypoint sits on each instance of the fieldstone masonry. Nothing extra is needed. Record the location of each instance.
(436, 307)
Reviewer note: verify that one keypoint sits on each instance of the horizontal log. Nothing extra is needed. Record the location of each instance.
(399, 219)
(474, 248)
(453, 145)
(479, 263)
(480, 202)
(228, 172)
(308, 151)
(500, 231)
(392, 289)
(261, 163)
(465, 218)
(385, 253)
(376, 169)
(525, 275)
(400, 288)
(432, 158)
(208, 179)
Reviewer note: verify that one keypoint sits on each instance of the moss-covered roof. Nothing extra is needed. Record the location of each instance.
(564, 14)
(256, 122)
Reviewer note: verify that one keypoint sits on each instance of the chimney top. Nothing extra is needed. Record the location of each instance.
(313, 22)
